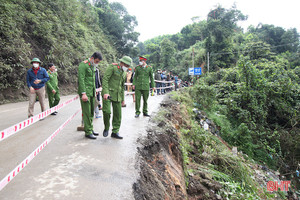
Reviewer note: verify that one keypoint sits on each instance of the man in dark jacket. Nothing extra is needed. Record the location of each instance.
(158, 81)
(98, 87)
(36, 78)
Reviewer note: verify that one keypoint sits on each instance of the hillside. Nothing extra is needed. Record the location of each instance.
(60, 32)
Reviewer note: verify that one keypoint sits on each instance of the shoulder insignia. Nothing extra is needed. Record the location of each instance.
(116, 64)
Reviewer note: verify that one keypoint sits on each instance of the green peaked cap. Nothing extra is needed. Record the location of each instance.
(36, 60)
(127, 60)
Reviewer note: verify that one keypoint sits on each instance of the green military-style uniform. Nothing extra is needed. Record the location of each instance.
(141, 82)
(113, 84)
(86, 84)
(52, 84)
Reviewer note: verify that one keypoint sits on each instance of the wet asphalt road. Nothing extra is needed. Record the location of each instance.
(71, 166)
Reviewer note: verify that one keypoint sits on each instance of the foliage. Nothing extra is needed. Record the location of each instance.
(221, 26)
(167, 51)
(276, 36)
(257, 109)
(61, 32)
(204, 94)
(118, 25)
(217, 161)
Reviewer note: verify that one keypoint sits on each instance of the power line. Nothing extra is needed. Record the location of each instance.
(271, 47)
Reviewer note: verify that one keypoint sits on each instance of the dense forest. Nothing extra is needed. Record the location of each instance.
(251, 88)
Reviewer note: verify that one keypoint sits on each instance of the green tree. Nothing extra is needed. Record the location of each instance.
(290, 41)
(167, 53)
(119, 25)
(279, 39)
(221, 26)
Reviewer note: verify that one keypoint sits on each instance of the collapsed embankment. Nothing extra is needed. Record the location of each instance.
(162, 174)
(185, 158)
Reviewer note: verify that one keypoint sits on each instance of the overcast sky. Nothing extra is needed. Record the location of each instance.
(159, 17)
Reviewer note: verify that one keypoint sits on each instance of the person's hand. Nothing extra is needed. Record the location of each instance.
(53, 91)
(37, 81)
(84, 98)
(154, 89)
(133, 87)
(123, 103)
(32, 91)
(105, 96)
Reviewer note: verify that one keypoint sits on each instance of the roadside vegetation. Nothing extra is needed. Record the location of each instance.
(210, 160)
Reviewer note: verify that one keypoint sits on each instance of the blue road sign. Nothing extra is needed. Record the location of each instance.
(195, 71)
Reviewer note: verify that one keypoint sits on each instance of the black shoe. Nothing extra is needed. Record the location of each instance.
(91, 136)
(53, 113)
(105, 133)
(116, 135)
(146, 115)
(95, 134)
(137, 115)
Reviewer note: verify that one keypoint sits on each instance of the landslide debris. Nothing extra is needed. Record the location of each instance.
(183, 157)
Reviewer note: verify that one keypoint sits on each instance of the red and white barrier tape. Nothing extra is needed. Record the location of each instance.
(164, 81)
(21, 125)
(128, 93)
(154, 81)
(25, 162)
(160, 88)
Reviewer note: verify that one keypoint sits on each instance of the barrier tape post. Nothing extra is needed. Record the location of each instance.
(24, 124)
(25, 162)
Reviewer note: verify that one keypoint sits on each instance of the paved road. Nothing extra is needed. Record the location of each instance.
(71, 166)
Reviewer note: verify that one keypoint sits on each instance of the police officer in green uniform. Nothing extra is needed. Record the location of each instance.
(143, 73)
(113, 95)
(87, 91)
(52, 87)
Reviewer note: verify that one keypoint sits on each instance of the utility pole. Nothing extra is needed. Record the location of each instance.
(192, 79)
(207, 61)
(193, 57)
